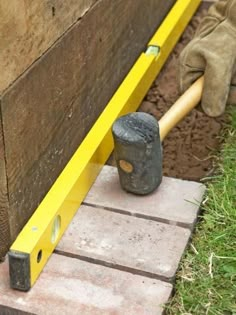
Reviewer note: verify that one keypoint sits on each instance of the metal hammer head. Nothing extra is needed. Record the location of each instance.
(138, 152)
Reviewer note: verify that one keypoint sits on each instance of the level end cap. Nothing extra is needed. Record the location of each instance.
(19, 270)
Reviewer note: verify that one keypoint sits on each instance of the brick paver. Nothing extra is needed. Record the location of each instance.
(69, 286)
(126, 249)
(175, 201)
(129, 243)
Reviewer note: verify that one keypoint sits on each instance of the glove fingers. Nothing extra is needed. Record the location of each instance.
(191, 66)
(188, 76)
(216, 87)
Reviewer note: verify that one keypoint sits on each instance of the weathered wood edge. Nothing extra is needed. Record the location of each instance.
(4, 200)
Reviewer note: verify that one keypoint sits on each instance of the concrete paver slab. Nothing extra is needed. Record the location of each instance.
(175, 201)
(125, 242)
(69, 286)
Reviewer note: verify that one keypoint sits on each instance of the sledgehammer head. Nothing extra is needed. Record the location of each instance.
(138, 152)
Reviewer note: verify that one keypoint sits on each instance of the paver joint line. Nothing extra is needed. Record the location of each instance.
(142, 216)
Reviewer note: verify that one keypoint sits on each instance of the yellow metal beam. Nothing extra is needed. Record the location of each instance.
(36, 242)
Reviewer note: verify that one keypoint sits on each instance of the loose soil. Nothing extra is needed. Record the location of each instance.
(189, 149)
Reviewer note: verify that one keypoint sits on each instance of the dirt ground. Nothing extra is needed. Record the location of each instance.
(189, 149)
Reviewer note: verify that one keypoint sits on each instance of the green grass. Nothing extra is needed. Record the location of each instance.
(206, 281)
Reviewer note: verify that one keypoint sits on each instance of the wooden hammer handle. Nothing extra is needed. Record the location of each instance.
(181, 107)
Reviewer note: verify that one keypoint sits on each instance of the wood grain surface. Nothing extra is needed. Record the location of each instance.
(28, 28)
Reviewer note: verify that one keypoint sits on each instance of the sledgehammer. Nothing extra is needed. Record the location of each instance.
(138, 136)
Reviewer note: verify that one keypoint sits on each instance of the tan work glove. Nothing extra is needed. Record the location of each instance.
(212, 52)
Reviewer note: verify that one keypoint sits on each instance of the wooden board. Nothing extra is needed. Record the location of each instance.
(49, 110)
(29, 28)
